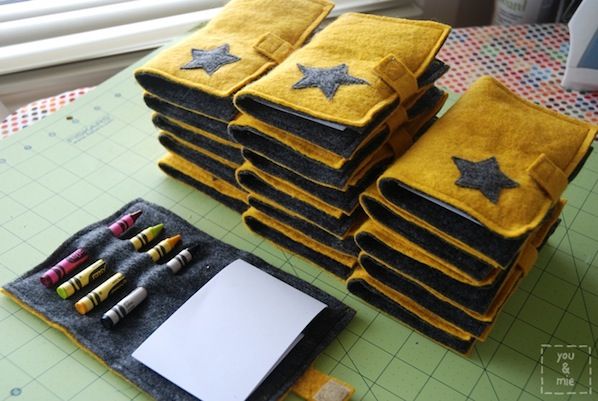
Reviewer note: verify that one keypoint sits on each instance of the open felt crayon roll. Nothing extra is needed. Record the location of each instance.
(166, 293)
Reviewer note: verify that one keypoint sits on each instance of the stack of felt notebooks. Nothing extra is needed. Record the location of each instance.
(322, 126)
(191, 85)
(456, 222)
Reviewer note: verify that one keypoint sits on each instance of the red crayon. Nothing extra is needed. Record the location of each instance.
(124, 223)
(64, 267)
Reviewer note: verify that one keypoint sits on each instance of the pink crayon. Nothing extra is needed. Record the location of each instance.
(124, 223)
(64, 267)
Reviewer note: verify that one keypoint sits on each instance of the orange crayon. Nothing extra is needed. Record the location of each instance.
(163, 247)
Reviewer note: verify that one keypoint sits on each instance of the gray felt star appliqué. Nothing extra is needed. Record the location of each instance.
(210, 60)
(485, 176)
(327, 79)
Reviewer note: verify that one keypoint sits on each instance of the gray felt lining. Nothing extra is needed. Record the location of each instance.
(423, 297)
(196, 120)
(225, 151)
(338, 226)
(346, 201)
(166, 293)
(464, 261)
(213, 166)
(346, 245)
(372, 296)
(221, 108)
(290, 244)
(256, 142)
(232, 203)
(343, 142)
(475, 298)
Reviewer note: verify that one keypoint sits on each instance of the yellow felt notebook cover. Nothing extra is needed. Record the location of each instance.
(375, 59)
(289, 189)
(248, 37)
(413, 251)
(195, 148)
(298, 144)
(180, 164)
(397, 124)
(360, 274)
(198, 131)
(348, 260)
(499, 159)
(522, 266)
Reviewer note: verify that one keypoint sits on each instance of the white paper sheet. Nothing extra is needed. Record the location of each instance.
(222, 342)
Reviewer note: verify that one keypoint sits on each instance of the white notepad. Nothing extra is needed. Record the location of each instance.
(226, 339)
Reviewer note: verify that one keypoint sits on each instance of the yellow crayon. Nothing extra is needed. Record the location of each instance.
(99, 295)
(146, 236)
(163, 247)
(83, 278)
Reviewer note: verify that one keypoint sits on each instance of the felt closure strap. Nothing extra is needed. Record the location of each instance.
(527, 259)
(400, 141)
(396, 75)
(397, 118)
(273, 47)
(545, 229)
(548, 176)
(317, 386)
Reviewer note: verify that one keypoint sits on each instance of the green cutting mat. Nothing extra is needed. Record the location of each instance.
(84, 162)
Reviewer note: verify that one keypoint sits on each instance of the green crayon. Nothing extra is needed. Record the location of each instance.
(82, 279)
(146, 236)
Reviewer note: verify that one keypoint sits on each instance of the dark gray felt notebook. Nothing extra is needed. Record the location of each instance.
(166, 293)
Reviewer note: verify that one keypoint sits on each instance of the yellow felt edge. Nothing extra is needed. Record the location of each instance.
(374, 193)
(298, 236)
(522, 265)
(316, 152)
(199, 174)
(313, 380)
(277, 205)
(397, 241)
(197, 131)
(495, 226)
(197, 149)
(410, 127)
(409, 304)
(506, 288)
(180, 106)
(67, 333)
(350, 233)
(369, 114)
(326, 8)
(289, 189)
(284, 249)
(358, 172)
(302, 146)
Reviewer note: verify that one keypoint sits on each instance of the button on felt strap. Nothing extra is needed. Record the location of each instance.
(397, 76)
(273, 47)
(317, 386)
(548, 176)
